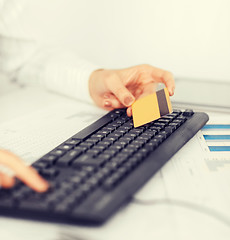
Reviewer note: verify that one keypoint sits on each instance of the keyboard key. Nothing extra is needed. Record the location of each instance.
(58, 152)
(83, 134)
(117, 113)
(122, 156)
(75, 180)
(141, 139)
(105, 171)
(183, 119)
(49, 173)
(121, 143)
(119, 160)
(21, 193)
(160, 137)
(77, 194)
(7, 203)
(104, 143)
(155, 128)
(161, 125)
(49, 158)
(122, 130)
(35, 206)
(86, 145)
(88, 169)
(111, 139)
(111, 166)
(82, 148)
(188, 113)
(151, 146)
(173, 115)
(115, 135)
(92, 141)
(100, 176)
(125, 139)
(110, 182)
(128, 151)
(62, 208)
(136, 131)
(41, 165)
(104, 157)
(177, 121)
(67, 187)
(93, 152)
(170, 118)
(110, 152)
(97, 136)
(165, 133)
(174, 126)
(82, 173)
(73, 142)
(164, 120)
(103, 132)
(169, 129)
(138, 143)
(85, 160)
(68, 157)
(152, 132)
(177, 111)
(65, 147)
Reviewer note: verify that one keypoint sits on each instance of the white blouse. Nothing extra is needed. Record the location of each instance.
(28, 60)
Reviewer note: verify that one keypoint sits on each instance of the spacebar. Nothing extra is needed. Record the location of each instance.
(84, 133)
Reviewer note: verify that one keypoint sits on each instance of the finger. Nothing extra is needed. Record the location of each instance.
(147, 89)
(165, 77)
(31, 178)
(138, 92)
(112, 102)
(23, 172)
(6, 181)
(116, 86)
(169, 82)
(129, 111)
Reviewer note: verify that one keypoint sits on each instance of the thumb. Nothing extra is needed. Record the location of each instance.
(116, 86)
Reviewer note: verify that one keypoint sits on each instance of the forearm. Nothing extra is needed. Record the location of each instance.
(58, 70)
(26, 60)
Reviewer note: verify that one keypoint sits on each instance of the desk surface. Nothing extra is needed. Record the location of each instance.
(185, 200)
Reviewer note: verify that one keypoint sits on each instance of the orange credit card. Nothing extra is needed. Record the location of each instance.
(151, 107)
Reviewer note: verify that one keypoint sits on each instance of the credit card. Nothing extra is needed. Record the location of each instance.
(151, 107)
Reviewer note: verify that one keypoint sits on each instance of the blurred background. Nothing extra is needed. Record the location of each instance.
(191, 38)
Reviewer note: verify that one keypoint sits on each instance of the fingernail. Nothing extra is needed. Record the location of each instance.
(43, 187)
(128, 101)
(107, 104)
(129, 112)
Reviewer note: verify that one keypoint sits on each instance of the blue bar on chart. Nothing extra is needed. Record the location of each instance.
(219, 148)
(216, 126)
(217, 137)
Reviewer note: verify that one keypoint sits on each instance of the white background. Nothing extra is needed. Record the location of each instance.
(190, 38)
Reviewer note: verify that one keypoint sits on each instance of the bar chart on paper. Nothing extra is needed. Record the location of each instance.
(217, 137)
(214, 139)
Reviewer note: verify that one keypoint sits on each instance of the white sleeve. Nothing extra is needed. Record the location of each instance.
(59, 70)
(29, 62)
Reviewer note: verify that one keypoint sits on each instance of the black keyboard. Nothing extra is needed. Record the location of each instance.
(98, 170)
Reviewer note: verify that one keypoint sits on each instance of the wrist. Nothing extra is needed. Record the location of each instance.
(93, 85)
